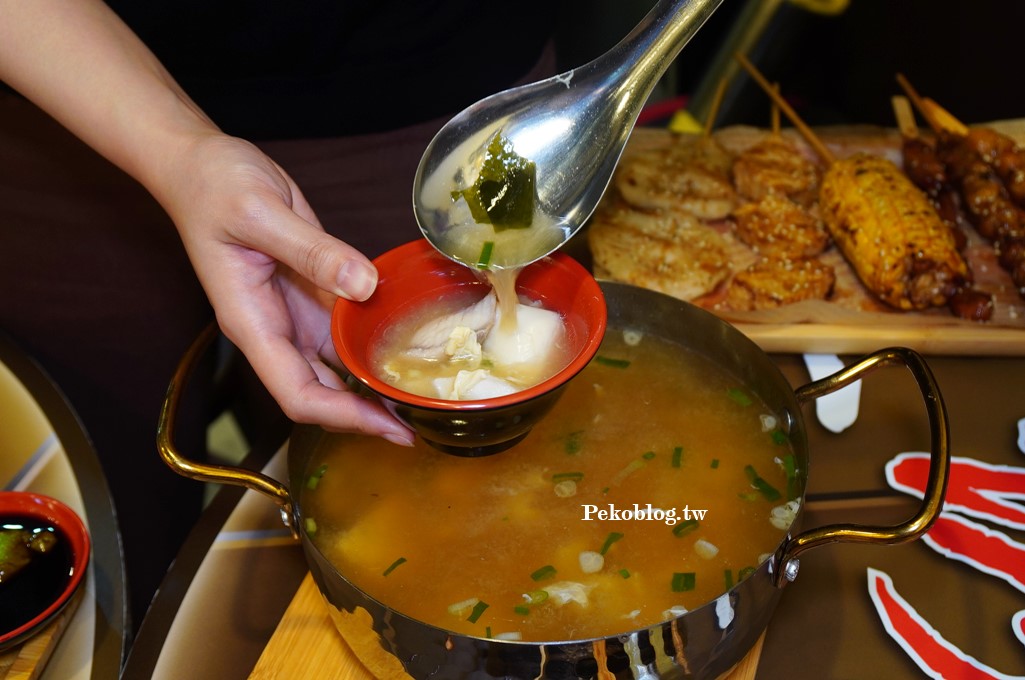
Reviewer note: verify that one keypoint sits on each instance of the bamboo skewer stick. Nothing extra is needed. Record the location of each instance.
(945, 121)
(938, 118)
(713, 112)
(905, 117)
(774, 121)
(812, 139)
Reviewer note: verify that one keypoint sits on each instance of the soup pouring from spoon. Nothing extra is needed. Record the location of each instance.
(516, 175)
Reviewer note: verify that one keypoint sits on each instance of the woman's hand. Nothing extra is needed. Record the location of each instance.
(271, 273)
(266, 264)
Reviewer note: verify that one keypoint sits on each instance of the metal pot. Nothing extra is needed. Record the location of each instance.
(703, 643)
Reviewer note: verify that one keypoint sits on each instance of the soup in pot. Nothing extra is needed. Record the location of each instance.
(654, 485)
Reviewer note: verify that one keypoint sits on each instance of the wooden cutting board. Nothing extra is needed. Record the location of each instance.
(306, 645)
(27, 660)
(852, 323)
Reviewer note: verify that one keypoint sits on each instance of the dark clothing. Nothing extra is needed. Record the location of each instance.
(95, 285)
(271, 69)
(94, 282)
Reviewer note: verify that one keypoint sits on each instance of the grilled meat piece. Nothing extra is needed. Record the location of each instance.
(927, 171)
(777, 227)
(671, 252)
(768, 284)
(691, 175)
(984, 195)
(774, 165)
(923, 165)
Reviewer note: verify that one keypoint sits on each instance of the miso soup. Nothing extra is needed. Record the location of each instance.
(655, 484)
(462, 347)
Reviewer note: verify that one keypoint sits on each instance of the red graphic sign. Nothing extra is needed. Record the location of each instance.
(994, 493)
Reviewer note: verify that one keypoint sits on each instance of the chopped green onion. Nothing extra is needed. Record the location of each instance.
(727, 578)
(685, 527)
(715, 463)
(311, 526)
(536, 596)
(478, 609)
(605, 489)
(567, 476)
(683, 582)
(463, 606)
(565, 489)
(790, 469)
(484, 261)
(744, 573)
(779, 437)
(573, 442)
(635, 465)
(767, 490)
(677, 456)
(487, 631)
(648, 455)
(314, 478)
(544, 572)
(613, 363)
(705, 549)
(393, 566)
(739, 396)
(522, 609)
(612, 538)
(625, 573)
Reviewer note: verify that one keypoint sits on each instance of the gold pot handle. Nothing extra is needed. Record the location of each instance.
(221, 474)
(939, 463)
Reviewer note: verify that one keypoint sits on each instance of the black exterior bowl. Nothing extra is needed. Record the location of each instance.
(415, 274)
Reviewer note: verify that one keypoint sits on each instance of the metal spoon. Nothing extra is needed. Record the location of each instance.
(573, 127)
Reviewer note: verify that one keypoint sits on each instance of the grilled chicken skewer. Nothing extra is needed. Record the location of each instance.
(780, 224)
(885, 227)
(924, 167)
(970, 157)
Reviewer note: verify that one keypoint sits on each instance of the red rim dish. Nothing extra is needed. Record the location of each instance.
(59, 515)
(414, 273)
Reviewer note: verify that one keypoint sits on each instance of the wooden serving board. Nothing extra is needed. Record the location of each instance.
(306, 645)
(843, 328)
(27, 660)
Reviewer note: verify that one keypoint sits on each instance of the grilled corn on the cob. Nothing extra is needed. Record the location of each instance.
(890, 233)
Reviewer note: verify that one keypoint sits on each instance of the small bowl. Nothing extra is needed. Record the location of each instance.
(415, 274)
(49, 511)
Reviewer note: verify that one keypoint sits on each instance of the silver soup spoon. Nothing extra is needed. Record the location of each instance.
(571, 127)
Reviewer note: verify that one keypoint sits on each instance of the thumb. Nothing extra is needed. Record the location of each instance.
(330, 263)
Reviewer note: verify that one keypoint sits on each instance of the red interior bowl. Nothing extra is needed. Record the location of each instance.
(415, 274)
(49, 511)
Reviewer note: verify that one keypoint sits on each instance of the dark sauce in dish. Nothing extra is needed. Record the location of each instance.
(31, 590)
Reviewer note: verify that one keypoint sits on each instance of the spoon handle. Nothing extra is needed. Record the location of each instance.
(641, 58)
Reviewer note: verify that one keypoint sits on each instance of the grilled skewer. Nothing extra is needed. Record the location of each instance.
(971, 156)
(885, 227)
(924, 167)
(774, 165)
(780, 225)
